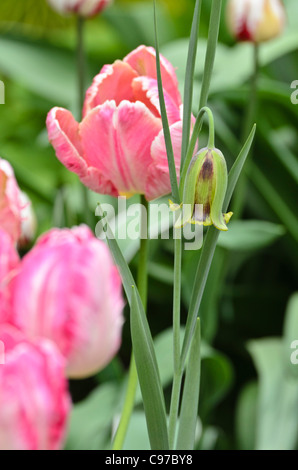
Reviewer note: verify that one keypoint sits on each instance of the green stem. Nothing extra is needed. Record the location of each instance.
(176, 339)
(142, 281)
(81, 69)
(193, 140)
(211, 50)
(175, 398)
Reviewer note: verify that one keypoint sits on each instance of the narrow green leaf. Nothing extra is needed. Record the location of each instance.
(149, 378)
(164, 118)
(209, 248)
(211, 50)
(190, 399)
(119, 259)
(236, 169)
(189, 79)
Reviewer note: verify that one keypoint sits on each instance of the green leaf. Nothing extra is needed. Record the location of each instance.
(164, 118)
(149, 378)
(216, 378)
(90, 424)
(127, 278)
(290, 336)
(189, 79)
(277, 408)
(137, 435)
(45, 70)
(236, 169)
(190, 398)
(246, 417)
(246, 235)
(211, 50)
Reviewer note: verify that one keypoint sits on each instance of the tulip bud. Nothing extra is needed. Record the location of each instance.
(68, 289)
(205, 189)
(255, 20)
(85, 8)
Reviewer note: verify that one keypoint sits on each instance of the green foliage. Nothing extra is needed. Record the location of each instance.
(254, 271)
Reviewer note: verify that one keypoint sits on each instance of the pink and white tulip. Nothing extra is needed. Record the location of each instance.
(10, 201)
(85, 8)
(34, 399)
(256, 20)
(68, 290)
(9, 262)
(119, 148)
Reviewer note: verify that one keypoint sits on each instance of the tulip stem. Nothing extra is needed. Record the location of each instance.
(81, 69)
(176, 340)
(142, 281)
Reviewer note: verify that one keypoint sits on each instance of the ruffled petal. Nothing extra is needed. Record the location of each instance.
(63, 132)
(146, 90)
(63, 135)
(158, 181)
(143, 61)
(112, 83)
(117, 142)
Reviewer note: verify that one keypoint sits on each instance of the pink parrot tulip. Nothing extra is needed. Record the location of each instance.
(9, 262)
(68, 290)
(81, 7)
(119, 147)
(34, 399)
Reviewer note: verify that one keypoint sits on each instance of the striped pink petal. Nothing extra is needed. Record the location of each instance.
(143, 61)
(114, 82)
(117, 141)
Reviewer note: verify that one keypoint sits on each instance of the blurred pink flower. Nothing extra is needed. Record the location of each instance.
(81, 7)
(9, 261)
(69, 291)
(255, 20)
(10, 201)
(119, 148)
(34, 400)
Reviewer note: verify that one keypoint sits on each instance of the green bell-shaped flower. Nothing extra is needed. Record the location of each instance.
(204, 190)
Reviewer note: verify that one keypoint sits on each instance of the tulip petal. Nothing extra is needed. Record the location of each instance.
(124, 135)
(63, 132)
(112, 83)
(158, 181)
(146, 90)
(143, 61)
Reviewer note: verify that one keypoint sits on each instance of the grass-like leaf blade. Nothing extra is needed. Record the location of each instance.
(149, 379)
(190, 399)
(164, 118)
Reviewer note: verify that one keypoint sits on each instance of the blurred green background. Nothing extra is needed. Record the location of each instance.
(249, 388)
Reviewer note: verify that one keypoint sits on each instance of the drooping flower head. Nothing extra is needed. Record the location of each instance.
(255, 20)
(75, 298)
(119, 146)
(205, 189)
(34, 398)
(85, 8)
